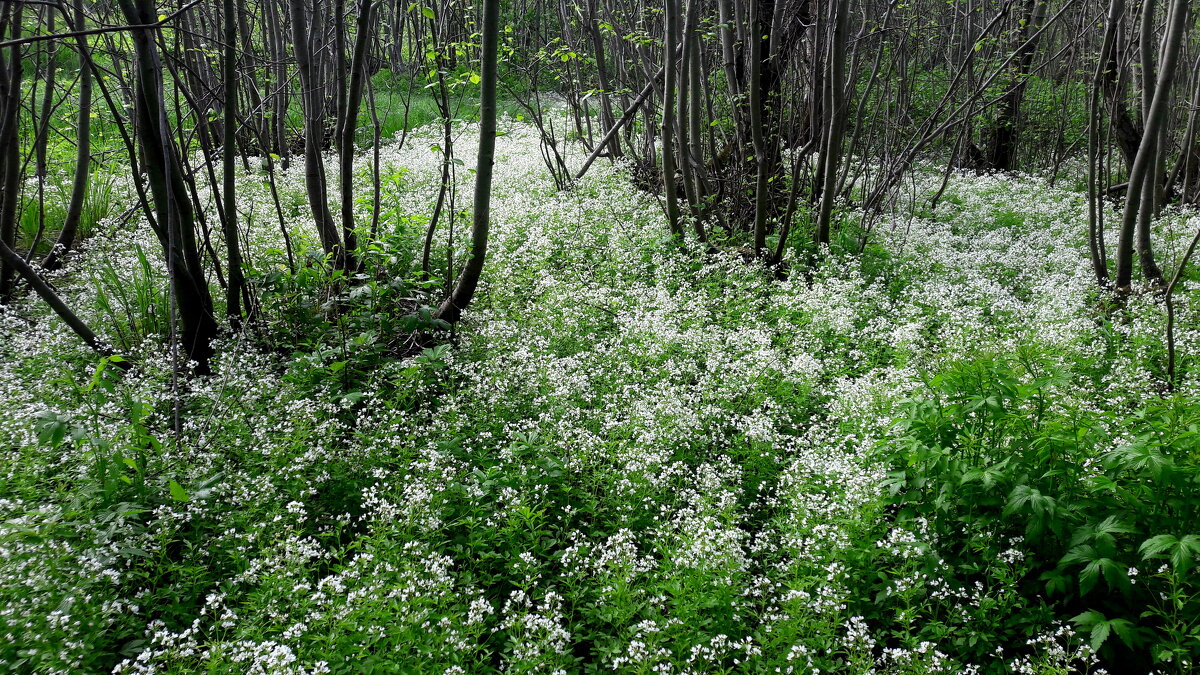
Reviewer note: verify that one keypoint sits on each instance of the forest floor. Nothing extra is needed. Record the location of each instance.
(630, 457)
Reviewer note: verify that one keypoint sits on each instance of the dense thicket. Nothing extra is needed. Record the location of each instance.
(758, 122)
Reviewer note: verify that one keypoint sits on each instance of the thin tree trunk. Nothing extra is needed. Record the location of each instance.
(43, 124)
(683, 116)
(1002, 146)
(1143, 163)
(10, 174)
(626, 117)
(1168, 296)
(1095, 115)
(358, 76)
(237, 280)
(835, 83)
(671, 26)
(464, 289)
(83, 150)
(176, 220)
(762, 195)
(47, 294)
(602, 75)
(313, 102)
(446, 187)
(693, 149)
(731, 63)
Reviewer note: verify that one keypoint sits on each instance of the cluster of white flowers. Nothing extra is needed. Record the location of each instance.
(718, 428)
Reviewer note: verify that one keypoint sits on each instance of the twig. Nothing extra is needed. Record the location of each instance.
(99, 31)
(1171, 311)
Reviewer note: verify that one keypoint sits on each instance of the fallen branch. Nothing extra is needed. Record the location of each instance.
(60, 308)
(625, 119)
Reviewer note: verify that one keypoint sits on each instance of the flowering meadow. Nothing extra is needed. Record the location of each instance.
(946, 451)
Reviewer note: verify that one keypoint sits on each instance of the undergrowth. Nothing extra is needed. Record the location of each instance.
(934, 453)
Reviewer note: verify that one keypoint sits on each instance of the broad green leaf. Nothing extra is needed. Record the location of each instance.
(177, 492)
(1100, 633)
(1156, 545)
(1124, 630)
(1089, 577)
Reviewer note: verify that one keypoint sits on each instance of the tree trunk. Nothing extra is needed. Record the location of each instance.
(1144, 162)
(83, 150)
(10, 172)
(464, 289)
(358, 76)
(237, 280)
(834, 95)
(1002, 146)
(1095, 115)
(762, 196)
(175, 218)
(312, 99)
(671, 29)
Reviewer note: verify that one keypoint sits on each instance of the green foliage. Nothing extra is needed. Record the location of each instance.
(100, 202)
(403, 105)
(631, 456)
(113, 507)
(989, 460)
(133, 299)
(340, 329)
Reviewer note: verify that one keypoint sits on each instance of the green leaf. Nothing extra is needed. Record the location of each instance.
(1115, 574)
(1191, 542)
(1100, 633)
(1057, 582)
(1018, 498)
(1113, 525)
(1181, 557)
(1124, 630)
(428, 12)
(177, 492)
(1089, 577)
(1102, 627)
(1087, 619)
(52, 430)
(1156, 545)
(98, 377)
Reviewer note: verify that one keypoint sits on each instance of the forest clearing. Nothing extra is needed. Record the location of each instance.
(358, 337)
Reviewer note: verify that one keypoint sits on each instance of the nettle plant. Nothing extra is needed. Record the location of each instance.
(999, 470)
